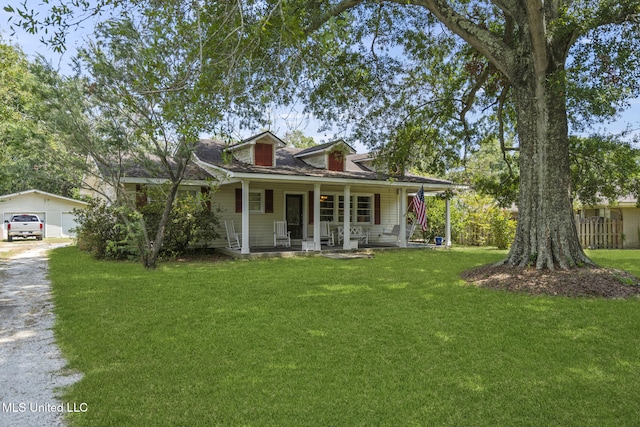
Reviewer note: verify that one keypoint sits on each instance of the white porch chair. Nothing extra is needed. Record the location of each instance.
(326, 235)
(233, 238)
(395, 231)
(280, 234)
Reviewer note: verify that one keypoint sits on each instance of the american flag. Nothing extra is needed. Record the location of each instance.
(420, 208)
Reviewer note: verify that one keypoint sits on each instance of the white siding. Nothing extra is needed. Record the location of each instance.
(631, 227)
(261, 224)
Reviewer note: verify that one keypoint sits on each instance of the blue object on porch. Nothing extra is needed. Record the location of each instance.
(439, 241)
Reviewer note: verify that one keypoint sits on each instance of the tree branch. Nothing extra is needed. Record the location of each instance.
(484, 41)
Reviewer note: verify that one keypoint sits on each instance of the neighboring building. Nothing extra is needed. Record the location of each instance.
(55, 211)
(617, 223)
(260, 180)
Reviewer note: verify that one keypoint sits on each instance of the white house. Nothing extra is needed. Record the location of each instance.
(261, 181)
(55, 211)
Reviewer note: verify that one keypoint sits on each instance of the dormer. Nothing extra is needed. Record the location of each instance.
(258, 150)
(331, 156)
(366, 161)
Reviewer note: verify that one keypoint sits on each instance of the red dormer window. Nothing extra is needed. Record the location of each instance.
(336, 162)
(264, 154)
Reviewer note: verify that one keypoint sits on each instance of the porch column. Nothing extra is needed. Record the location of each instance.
(402, 239)
(316, 217)
(346, 244)
(245, 217)
(447, 224)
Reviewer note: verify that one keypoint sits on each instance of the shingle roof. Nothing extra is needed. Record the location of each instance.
(287, 163)
(151, 169)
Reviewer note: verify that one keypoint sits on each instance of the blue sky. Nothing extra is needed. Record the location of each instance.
(283, 120)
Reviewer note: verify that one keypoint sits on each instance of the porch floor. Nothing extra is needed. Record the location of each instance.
(295, 250)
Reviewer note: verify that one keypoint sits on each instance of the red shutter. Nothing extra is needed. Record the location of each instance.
(311, 207)
(268, 201)
(335, 163)
(141, 196)
(376, 209)
(238, 200)
(263, 154)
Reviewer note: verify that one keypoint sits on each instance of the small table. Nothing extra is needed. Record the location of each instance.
(353, 243)
(308, 245)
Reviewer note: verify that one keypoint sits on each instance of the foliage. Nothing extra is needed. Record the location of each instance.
(103, 232)
(100, 232)
(476, 220)
(297, 139)
(442, 77)
(604, 167)
(395, 340)
(32, 155)
(156, 82)
(190, 222)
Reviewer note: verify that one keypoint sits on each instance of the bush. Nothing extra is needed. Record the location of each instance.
(100, 231)
(475, 220)
(103, 233)
(503, 228)
(190, 222)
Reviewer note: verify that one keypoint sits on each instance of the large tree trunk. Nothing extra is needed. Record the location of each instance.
(546, 235)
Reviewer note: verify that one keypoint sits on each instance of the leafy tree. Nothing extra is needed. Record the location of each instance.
(602, 168)
(298, 139)
(148, 95)
(464, 70)
(30, 155)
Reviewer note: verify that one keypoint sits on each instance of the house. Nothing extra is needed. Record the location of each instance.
(261, 180)
(610, 225)
(55, 211)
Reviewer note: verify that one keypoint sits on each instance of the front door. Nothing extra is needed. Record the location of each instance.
(294, 215)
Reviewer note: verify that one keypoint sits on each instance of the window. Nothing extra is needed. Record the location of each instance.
(327, 206)
(256, 201)
(260, 201)
(332, 208)
(364, 209)
(263, 154)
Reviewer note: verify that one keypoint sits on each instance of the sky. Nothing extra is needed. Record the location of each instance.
(283, 120)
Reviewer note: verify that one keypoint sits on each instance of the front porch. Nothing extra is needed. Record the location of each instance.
(296, 250)
(375, 215)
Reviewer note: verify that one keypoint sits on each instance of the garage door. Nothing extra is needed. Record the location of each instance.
(68, 224)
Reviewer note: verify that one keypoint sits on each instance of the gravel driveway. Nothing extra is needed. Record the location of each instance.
(31, 366)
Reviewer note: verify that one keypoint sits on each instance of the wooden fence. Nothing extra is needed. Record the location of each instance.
(474, 235)
(599, 233)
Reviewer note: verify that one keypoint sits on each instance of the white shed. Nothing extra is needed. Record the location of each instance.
(55, 211)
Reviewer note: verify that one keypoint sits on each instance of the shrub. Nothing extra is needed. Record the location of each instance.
(100, 231)
(190, 222)
(103, 232)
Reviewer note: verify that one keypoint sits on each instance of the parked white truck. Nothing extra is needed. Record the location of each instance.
(25, 225)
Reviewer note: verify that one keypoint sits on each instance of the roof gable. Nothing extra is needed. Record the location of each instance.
(325, 148)
(42, 193)
(247, 150)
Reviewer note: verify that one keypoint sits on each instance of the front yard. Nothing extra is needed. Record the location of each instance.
(396, 340)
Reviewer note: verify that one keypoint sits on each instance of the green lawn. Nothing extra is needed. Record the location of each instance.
(397, 340)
